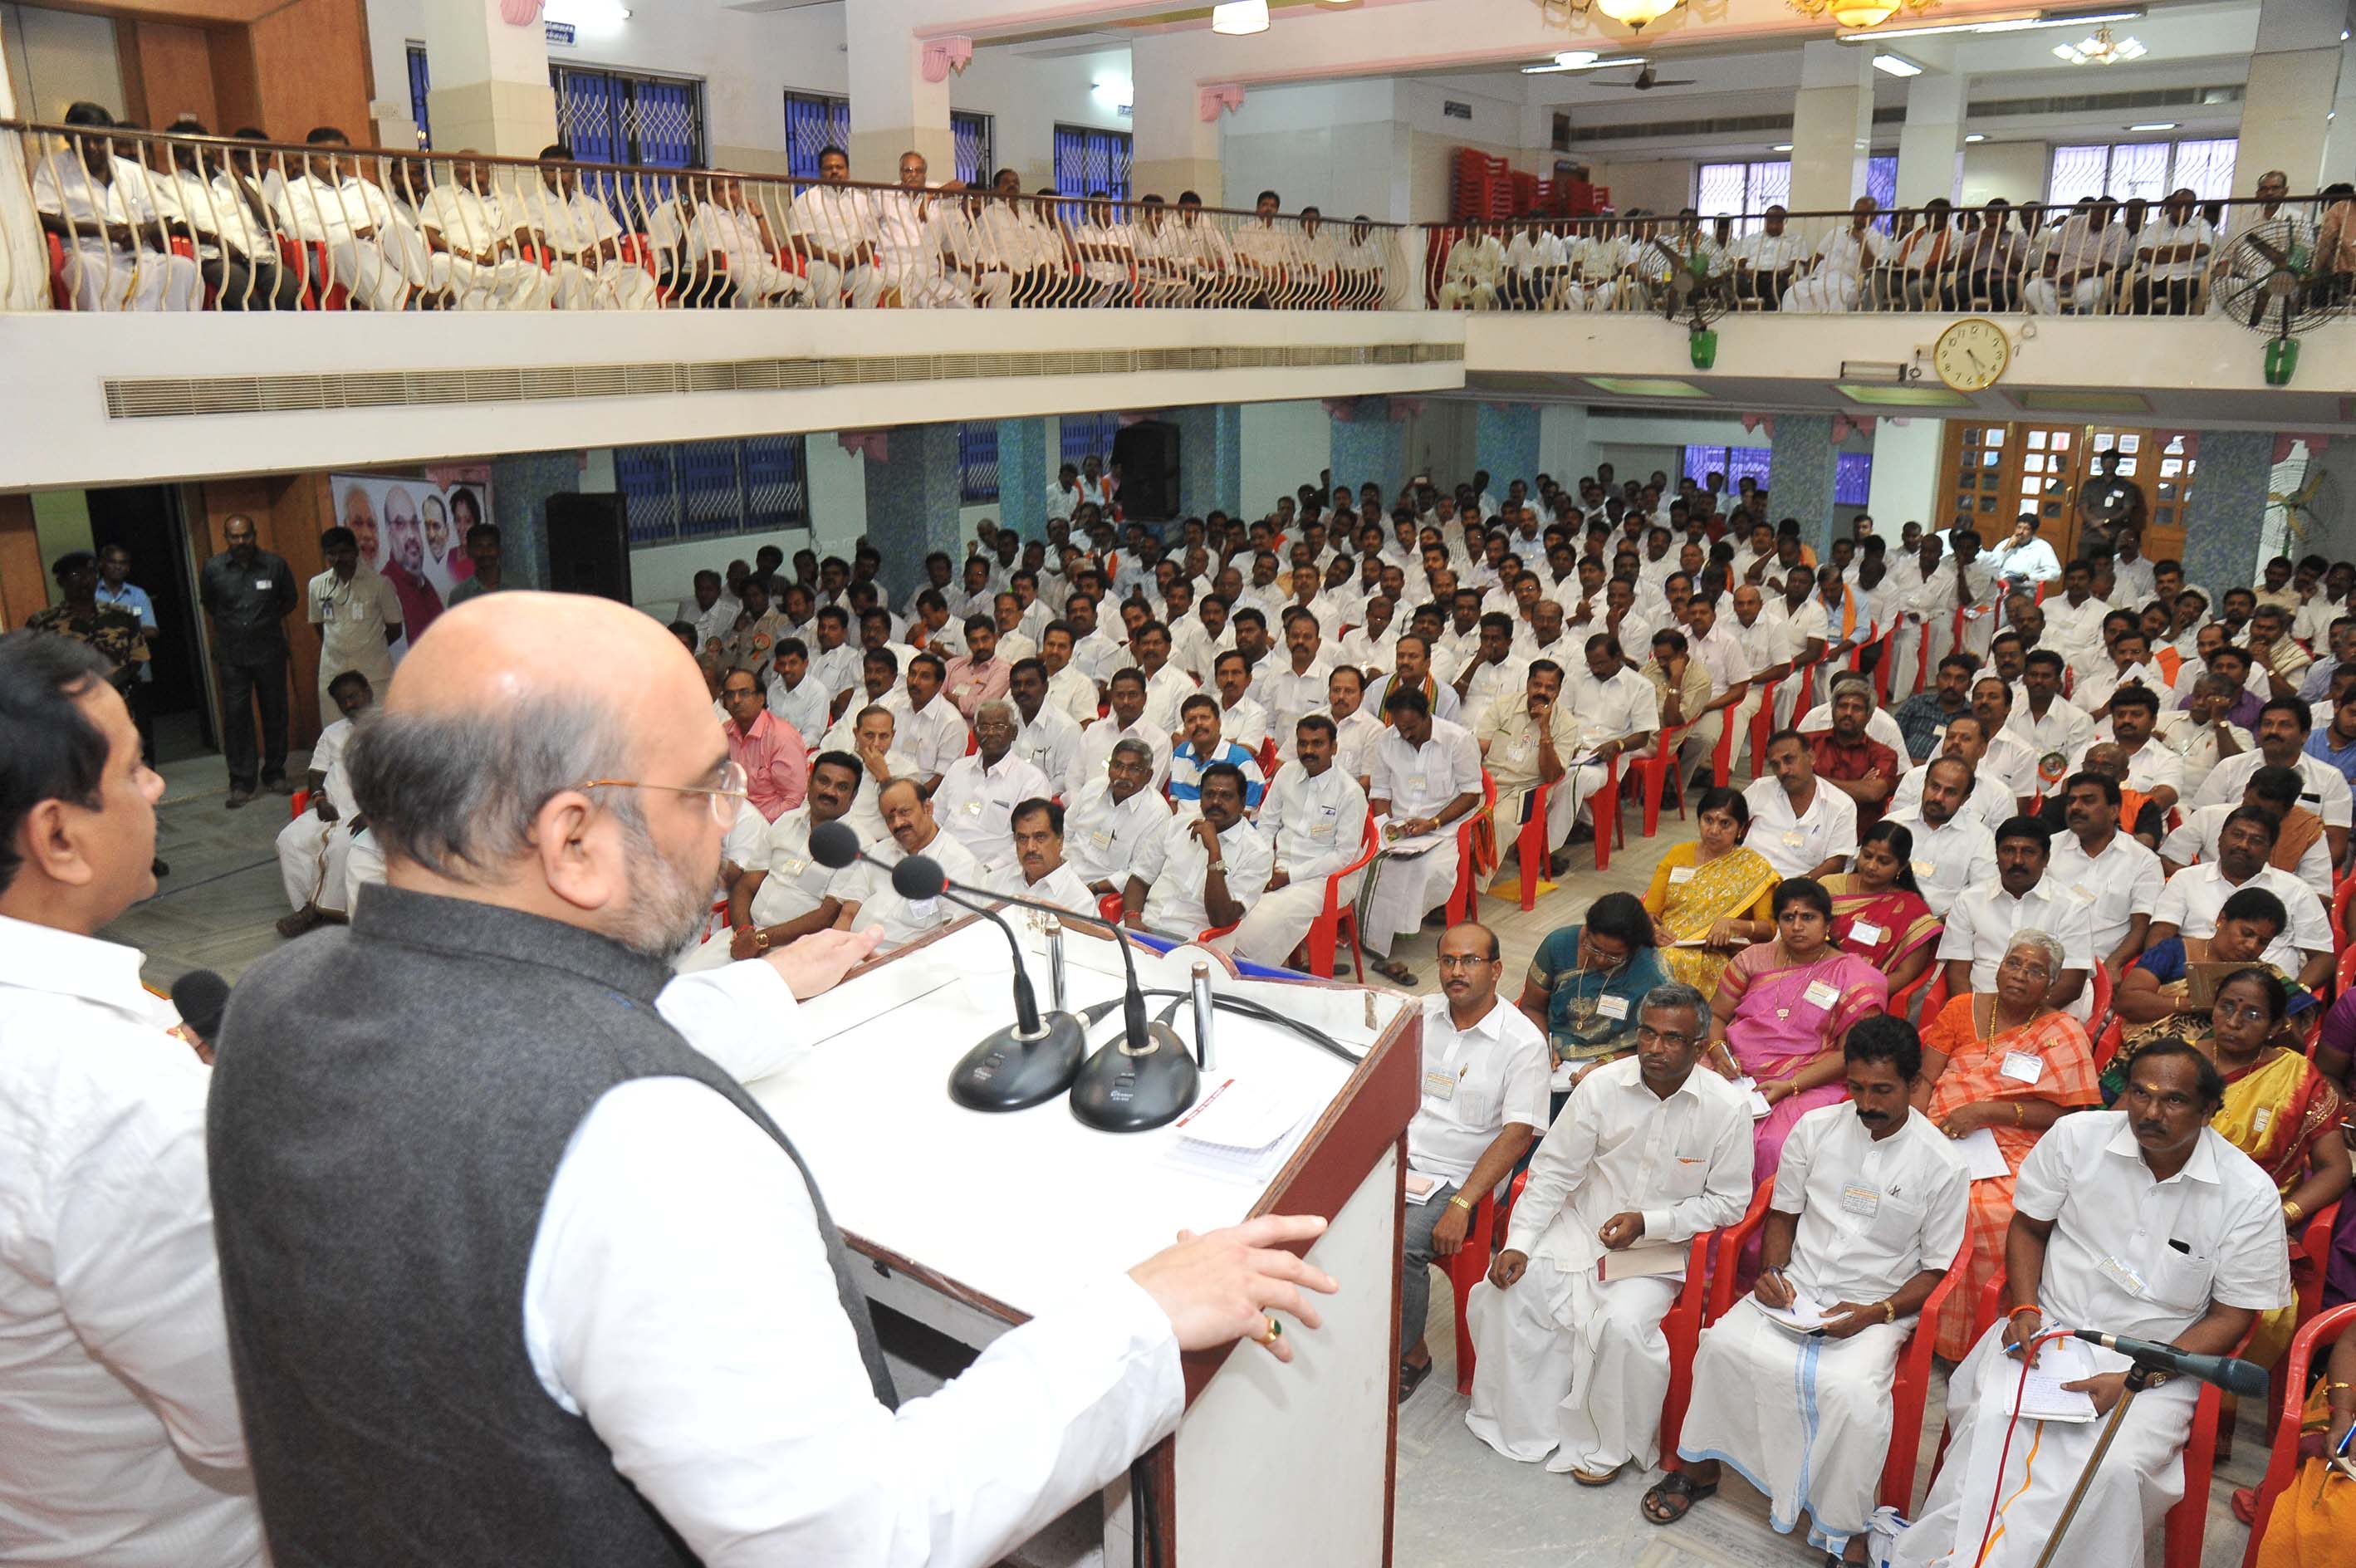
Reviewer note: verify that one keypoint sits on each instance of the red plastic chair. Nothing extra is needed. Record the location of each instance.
(301, 802)
(2339, 902)
(1466, 896)
(60, 296)
(1721, 760)
(1605, 834)
(1465, 1270)
(1920, 985)
(1888, 644)
(2282, 1462)
(1652, 774)
(1530, 847)
(1324, 940)
(1762, 725)
(1266, 757)
(2314, 1246)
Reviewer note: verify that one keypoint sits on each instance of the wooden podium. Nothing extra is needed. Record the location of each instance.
(975, 1221)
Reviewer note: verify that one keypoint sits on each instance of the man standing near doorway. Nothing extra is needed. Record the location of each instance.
(249, 592)
(117, 592)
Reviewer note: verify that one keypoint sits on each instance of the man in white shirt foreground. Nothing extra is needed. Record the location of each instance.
(116, 1408)
(1200, 871)
(1867, 1215)
(606, 1331)
(1484, 1102)
(1804, 827)
(1983, 920)
(1038, 870)
(314, 845)
(867, 898)
(1569, 1357)
(2140, 1221)
(782, 892)
(1313, 816)
(977, 792)
(1425, 775)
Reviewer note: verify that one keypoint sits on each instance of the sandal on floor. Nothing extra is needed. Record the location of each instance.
(1411, 1378)
(1598, 1477)
(1672, 1496)
(2245, 1504)
(1397, 973)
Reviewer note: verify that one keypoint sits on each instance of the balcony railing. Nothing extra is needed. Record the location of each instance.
(144, 220)
(148, 221)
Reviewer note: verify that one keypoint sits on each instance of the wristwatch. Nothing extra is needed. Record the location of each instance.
(1218, 866)
(1459, 1202)
(1889, 1312)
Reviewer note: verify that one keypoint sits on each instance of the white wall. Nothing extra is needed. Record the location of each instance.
(1332, 145)
(1284, 446)
(2014, 170)
(56, 58)
(1026, 98)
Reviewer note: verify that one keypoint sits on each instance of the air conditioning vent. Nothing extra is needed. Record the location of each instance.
(176, 397)
(2108, 103)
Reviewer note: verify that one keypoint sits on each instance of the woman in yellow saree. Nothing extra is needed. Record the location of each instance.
(2314, 1519)
(1714, 892)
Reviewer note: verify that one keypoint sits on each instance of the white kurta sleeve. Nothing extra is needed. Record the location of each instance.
(740, 1015)
(726, 1380)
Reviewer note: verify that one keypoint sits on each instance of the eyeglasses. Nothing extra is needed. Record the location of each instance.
(2016, 964)
(723, 797)
(2228, 1011)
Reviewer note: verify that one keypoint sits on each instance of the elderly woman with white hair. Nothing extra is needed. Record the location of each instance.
(2008, 1060)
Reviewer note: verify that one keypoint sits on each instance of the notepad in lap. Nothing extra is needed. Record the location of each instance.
(1634, 1263)
(1805, 1315)
(2044, 1397)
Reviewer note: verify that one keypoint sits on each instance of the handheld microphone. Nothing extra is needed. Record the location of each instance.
(200, 997)
(2231, 1373)
(1014, 1068)
(1134, 1084)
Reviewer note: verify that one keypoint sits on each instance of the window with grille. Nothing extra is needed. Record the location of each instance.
(705, 490)
(975, 137)
(1087, 161)
(1881, 184)
(1088, 435)
(419, 85)
(814, 122)
(1742, 192)
(626, 117)
(1852, 478)
(977, 461)
(2127, 170)
(1736, 463)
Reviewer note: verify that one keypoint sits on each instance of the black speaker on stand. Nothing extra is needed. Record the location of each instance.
(589, 546)
(1147, 456)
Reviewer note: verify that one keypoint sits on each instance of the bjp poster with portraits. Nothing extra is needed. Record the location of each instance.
(415, 531)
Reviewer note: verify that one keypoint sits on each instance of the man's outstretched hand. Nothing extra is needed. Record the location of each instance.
(1221, 1287)
(813, 963)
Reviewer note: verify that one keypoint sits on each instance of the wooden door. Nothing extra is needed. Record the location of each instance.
(1993, 473)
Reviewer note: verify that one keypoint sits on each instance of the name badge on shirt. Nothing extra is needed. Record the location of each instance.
(1925, 869)
(1681, 874)
(1793, 839)
(1860, 1199)
(2026, 1067)
(1820, 994)
(2082, 891)
(1323, 831)
(2124, 1275)
(1938, 731)
(792, 868)
(1439, 1085)
(973, 808)
(1100, 838)
(1612, 1007)
(1866, 931)
(924, 908)
(262, 584)
(1413, 786)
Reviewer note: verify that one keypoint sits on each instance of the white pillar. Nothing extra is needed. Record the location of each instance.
(893, 107)
(1932, 136)
(2340, 135)
(24, 253)
(1905, 475)
(490, 86)
(2294, 78)
(1832, 126)
(1176, 149)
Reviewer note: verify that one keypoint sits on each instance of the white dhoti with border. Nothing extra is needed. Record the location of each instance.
(1278, 921)
(2141, 1477)
(1805, 1419)
(1401, 890)
(314, 861)
(363, 865)
(1569, 1369)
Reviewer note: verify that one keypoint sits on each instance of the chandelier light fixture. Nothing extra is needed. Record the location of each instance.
(2101, 48)
(1633, 14)
(1857, 16)
(1238, 18)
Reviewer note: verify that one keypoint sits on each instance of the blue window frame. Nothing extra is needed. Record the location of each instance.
(621, 117)
(975, 137)
(1881, 184)
(419, 84)
(1736, 463)
(1852, 478)
(706, 489)
(978, 462)
(1088, 160)
(1088, 436)
(814, 122)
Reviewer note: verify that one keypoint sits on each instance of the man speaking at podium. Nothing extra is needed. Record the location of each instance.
(514, 1274)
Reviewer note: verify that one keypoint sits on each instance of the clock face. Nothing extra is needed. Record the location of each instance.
(1971, 354)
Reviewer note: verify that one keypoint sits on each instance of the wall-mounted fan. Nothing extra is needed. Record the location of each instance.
(2270, 284)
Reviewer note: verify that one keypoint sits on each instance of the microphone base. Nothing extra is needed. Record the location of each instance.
(1007, 1072)
(1116, 1092)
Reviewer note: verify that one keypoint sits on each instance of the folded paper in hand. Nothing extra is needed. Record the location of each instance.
(1806, 1315)
(1982, 1159)
(1634, 1262)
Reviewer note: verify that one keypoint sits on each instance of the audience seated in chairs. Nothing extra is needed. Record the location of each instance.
(315, 848)
(1313, 816)
(1203, 870)
(117, 253)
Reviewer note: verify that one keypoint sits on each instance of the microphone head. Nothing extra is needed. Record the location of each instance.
(833, 845)
(201, 996)
(915, 877)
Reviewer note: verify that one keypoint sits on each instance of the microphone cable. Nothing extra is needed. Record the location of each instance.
(1995, 1491)
(1243, 1004)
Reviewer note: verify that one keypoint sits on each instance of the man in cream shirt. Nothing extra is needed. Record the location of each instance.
(1313, 818)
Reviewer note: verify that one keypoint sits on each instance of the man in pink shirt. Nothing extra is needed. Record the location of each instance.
(775, 763)
(978, 675)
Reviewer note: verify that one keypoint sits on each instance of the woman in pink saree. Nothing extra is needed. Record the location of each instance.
(1782, 1011)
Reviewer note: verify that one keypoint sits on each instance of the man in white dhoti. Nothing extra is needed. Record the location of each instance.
(917, 258)
(834, 227)
(1425, 777)
(477, 239)
(1484, 1102)
(1617, 715)
(313, 848)
(1571, 1366)
(1869, 1213)
(591, 274)
(1475, 267)
(1313, 816)
(1527, 739)
(1843, 259)
(116, 256)
(2140, 1221)
(370, 252)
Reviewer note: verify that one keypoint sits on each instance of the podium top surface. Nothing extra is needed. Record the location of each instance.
(1014, 1213)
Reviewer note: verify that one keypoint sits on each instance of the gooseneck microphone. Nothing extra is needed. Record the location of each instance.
(1140, 1081)
(2231, 1373)
(1027, 1064)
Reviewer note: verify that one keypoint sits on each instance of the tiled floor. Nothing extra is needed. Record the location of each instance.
(1458, 1504)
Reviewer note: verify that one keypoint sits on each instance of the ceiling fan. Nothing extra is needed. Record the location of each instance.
(1645, 81)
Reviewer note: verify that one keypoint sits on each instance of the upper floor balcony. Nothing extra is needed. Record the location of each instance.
(194, 305)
